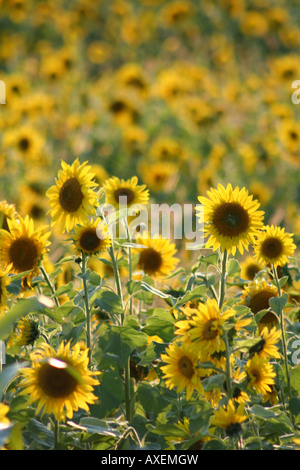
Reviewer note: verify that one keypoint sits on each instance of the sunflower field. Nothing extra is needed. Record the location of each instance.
(149, 225)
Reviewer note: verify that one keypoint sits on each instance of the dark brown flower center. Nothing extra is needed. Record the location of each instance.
(230, 219)
(185, 366)
(251, 271)
(150, 260)
(23, 254)
(260, 301)
(56, 382)
(89, 240)
(271, 247)
(70, 195)
(122, 193)
(24, 144)
(210, 331)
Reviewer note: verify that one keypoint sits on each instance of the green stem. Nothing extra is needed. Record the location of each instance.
(87, 305)
(127, 382)
(56, 434)
(48, 282)
(228, 369)
(283, 333)
(223, 279)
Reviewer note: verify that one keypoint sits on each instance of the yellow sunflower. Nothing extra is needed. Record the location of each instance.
(266, 347)
(23, 246)
(92, 237)
(249, 268)
(72, 198)
(59, 381)
(157, 258)
(120, 191)
(205, 327)
(260, 374)
(231, 218)
(256, 295)
(274, 246)
(181, 370)
(7, 211)
(27, 331)
(229, 418)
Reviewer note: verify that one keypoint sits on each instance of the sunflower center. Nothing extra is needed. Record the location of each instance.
(89, 240)
(260, 301)
(122, 193)
(233, 429)
(252, 270)
(150, 260)
(185, 366)
(230, 219)
(210, 330)
(255, 376)
(24, 144)
(23, 254)
(70, 195)
(56, 382)
(271, 247)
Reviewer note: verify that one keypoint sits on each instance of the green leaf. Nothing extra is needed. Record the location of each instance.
(109, 301)
(131, 337)
(277, 304)
(233, 267)
(196, 293)
(20, 309)
(295, 379)
(95, 426)
(111, 393)
(8, 374)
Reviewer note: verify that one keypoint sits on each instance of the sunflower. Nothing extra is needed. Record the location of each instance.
(59, 381)
(229, 418)
(159, 176)
(249, 268)
(72, 198)
(232, 218)
(266, 347)
(118, 190)
(23, 246)
(7, 211)
(274, 246)
(181, 370)
(260, 374)
(92, 237)
(256, 295)
(205, 327)
(157, 258)
(26, 141)
(27, 331)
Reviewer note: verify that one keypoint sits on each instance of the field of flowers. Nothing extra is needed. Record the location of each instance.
(115, 336)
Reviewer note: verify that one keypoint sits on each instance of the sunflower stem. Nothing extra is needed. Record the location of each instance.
(228, 370)
(223, 279)
(87, 305)
(127, 383)
(49, 284)
(283, 333)
(56, 434)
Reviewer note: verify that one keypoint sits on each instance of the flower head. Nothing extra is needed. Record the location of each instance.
(72, 198)
(59, 381)
(274, 246)
(231, 218)
(181, 370)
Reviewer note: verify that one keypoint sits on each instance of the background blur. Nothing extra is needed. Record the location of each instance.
(183, 94)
